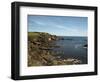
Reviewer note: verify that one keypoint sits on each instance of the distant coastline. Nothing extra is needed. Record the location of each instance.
(72, 36)
(40, 52)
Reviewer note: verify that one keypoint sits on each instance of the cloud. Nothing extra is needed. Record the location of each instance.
(66, 28)
(39, 23)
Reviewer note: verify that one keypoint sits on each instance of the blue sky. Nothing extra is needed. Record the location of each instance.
(58, 25)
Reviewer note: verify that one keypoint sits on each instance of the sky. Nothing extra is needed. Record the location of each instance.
(58, 25)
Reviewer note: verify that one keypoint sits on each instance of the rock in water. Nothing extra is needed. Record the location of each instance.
(85, 46)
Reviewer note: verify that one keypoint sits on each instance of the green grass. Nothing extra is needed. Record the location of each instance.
(33, 33)
(38, 36)
(33, 36)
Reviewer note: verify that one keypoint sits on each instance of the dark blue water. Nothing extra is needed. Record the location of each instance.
(72, 47)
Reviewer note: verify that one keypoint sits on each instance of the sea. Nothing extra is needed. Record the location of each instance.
(72, 47)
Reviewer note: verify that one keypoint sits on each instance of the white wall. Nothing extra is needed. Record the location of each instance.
(5, 40)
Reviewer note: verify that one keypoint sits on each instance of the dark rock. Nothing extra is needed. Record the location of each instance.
(85, 46)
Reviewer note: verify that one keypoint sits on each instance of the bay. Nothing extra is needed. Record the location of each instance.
(72, 47)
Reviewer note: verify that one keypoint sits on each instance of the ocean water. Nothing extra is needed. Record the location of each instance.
(72, 47)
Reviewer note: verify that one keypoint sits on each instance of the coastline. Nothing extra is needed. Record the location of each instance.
(40, 51)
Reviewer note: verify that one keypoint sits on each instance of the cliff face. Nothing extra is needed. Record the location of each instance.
(40, 52)
(39, 44)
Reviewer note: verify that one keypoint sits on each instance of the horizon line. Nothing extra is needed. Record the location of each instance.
(61, 35)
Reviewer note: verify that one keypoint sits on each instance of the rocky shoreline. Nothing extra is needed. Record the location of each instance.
(40, 51)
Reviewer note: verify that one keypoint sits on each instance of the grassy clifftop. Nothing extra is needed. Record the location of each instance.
(40, 36)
